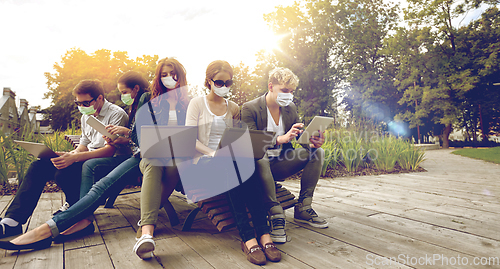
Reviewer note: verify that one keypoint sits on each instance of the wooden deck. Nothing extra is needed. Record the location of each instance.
(451, 212)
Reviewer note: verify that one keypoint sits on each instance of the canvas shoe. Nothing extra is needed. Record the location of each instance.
(144, 247)
(64, 207)
(304, 213)
(277, 233)
(7, 231)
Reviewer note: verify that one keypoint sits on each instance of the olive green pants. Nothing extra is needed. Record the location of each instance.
(158, 181)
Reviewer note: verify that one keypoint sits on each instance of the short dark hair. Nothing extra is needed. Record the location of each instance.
(93, 87)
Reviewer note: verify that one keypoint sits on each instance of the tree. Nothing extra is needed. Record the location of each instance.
(361, 31)
(307, 48)
(243, 89)
(76, 65)
(480, 42)
(441, 78)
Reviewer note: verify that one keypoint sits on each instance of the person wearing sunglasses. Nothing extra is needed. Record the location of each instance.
(66, 169)
(169, 102)
(275, 111)
(212, 114)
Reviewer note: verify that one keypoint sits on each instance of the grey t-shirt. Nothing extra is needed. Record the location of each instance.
(109, 114)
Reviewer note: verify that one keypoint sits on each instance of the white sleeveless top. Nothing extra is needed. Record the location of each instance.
(218, 127)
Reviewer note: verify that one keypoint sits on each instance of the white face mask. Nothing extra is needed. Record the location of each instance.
(222, 91)
(168, 82)
(284, 99)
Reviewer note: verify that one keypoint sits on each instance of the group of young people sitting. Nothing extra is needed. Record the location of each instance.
(106, 165)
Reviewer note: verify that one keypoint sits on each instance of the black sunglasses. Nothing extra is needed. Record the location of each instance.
(84, 103)
(219, 83)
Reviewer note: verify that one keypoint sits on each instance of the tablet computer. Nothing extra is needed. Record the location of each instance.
(100, 127)
(38, 150)
(318, 124)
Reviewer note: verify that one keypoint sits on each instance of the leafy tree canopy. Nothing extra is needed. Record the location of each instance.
(76, 65)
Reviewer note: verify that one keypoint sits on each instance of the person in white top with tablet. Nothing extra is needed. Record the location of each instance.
(276, 112)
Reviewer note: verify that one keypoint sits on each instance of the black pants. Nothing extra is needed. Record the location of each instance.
(249, 195)
(38, 174)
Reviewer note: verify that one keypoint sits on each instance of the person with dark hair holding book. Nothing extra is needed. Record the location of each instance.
(67, 168)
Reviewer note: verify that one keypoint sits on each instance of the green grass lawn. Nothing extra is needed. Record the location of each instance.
(488, 154)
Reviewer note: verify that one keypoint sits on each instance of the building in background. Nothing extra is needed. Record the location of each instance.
(13, 120)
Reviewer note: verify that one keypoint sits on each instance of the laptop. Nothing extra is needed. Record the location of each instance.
(38, 150)
(244, 143)
(162, 141)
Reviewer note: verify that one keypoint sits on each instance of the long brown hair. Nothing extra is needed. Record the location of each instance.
(157, 87)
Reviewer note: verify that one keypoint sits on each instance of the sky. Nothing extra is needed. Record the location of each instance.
(35, 34)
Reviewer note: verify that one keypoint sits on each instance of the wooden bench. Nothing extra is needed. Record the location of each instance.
(216, 208)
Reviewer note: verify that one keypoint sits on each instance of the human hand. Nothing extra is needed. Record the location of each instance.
(317, 141)
(120, 130)
(64, 160)
(291, 134)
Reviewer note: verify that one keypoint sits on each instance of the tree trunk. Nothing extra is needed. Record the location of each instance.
(445, 135)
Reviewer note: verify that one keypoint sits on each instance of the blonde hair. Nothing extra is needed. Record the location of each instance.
(283, 76)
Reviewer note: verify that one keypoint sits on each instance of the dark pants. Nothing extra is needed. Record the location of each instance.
(249, 195)
(272, 169)
(38, 174)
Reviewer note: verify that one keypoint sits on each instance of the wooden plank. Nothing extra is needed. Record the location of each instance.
(47, 258)
(110, 218)
(7, 259)
(319, 251)
(120, 243)
(479, 228)
(219, 250)
(215, 205)
(88, 257)
(386, 244)
(174, 253)
(86, 241)
(131, 211)
(5, 201)
(406, 182)
(444, 237)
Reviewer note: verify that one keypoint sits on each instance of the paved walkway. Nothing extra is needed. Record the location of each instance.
(444, 218)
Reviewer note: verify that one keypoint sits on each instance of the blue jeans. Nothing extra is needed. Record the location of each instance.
(86, 206)
(95, 169)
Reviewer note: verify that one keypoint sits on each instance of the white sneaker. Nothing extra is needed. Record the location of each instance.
(64, 207)
(144, 247)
